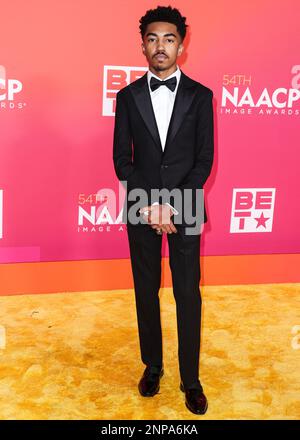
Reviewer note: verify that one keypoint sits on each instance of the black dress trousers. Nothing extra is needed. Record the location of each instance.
(184, 257)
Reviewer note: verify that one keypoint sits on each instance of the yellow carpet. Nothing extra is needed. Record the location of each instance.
(76, 356)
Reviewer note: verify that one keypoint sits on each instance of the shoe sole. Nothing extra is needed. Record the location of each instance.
(190, 409)
(155, 392)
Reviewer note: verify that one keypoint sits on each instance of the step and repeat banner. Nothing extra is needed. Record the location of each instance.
(62, 63)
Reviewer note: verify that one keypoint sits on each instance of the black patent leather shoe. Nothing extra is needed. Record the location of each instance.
(149, 384)
(195, 399)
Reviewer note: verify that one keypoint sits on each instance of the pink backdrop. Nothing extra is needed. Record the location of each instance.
(61, 64)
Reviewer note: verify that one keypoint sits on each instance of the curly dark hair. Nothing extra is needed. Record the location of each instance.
(164, 13)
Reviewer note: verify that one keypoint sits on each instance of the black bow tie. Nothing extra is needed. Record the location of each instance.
(170, 83)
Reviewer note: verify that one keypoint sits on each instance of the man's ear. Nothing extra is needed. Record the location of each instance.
(180, 49)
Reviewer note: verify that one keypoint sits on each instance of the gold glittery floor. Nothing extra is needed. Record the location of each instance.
(76, 355)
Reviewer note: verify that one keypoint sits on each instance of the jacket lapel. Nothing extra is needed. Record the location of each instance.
(185, 93)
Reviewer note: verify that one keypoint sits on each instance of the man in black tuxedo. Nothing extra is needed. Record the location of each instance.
(163, 140)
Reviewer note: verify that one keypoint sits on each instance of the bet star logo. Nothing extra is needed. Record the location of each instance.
(252, 210)
(114, 79)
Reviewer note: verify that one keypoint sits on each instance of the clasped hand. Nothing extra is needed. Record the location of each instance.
(159, 218)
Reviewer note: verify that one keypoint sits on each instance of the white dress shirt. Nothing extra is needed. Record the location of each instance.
(163, 102)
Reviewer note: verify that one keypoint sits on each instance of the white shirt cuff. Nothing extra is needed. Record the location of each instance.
(175, 212)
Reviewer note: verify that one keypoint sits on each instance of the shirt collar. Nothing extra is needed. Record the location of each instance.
(177, 73)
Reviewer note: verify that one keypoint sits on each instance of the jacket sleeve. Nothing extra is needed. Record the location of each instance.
(122, 140)
(198, 175)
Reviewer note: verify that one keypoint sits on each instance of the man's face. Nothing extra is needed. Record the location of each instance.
(161, 45)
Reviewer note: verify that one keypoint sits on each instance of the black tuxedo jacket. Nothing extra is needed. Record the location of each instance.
(187, 159)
